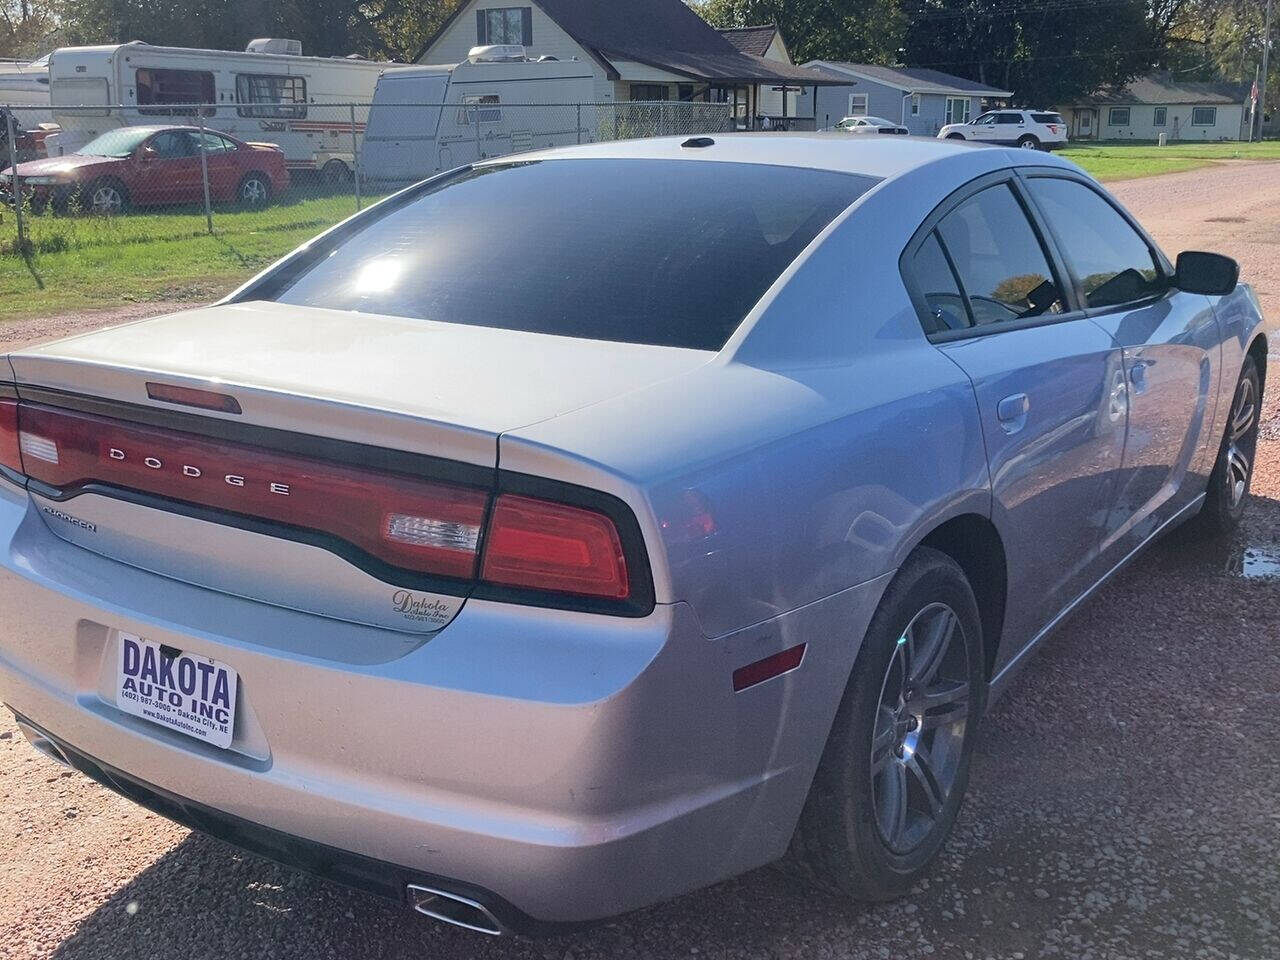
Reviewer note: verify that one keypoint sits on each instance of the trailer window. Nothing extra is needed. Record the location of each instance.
(184, 87)
(260, 95)
(664, 252)
(484, 108)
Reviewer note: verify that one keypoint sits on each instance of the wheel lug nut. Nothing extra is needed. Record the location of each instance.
(912, 723)
(898, 751)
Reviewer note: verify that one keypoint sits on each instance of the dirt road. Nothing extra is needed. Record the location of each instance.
(1125, 799)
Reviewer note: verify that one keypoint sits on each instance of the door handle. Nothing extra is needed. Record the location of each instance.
(1012, 412)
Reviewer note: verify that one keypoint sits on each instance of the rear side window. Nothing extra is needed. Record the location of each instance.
(938, 286)
(1002, 267)
(1110, 259)
(1009, 118)
(670, 252)
(1046, 118)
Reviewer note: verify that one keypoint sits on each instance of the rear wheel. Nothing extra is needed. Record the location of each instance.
(895, 768)
(254, 190)
(335, 173)
(1233, 470)
(107, 196)
(1028, 142)
(955, 136)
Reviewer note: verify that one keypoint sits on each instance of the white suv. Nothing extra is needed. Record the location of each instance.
(1031, 129)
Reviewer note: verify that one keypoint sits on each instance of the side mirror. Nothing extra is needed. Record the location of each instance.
(1211, 274)
(147, 153)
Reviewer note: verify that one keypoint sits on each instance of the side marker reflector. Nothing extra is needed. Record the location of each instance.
(768, 668)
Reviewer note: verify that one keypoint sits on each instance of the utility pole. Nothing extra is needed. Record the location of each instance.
(1262, 90)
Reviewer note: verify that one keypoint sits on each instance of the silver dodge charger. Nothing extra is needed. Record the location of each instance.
(573, 530)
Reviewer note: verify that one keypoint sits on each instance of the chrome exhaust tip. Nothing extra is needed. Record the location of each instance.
(42, 743)
(453, 909)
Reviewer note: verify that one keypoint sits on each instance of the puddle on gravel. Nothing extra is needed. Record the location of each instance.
(1257, 562)
(1232, 557)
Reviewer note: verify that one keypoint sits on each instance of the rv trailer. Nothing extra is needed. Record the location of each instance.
(425, 119)
(269, 92)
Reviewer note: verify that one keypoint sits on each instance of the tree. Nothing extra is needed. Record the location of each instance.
(24, 27)
(1046, 51)
(373, 28)
(861, 31)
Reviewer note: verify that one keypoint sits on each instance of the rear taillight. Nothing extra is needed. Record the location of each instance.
(540, 545)
(419, 525)
(10, 455)
(531, 545)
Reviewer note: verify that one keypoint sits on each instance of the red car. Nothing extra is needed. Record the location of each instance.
(148, 166)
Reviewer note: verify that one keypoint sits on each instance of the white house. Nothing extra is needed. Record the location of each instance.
(1149, 106)
(640, 50)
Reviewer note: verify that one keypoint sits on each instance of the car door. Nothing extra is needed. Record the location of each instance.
(1172, 354)
(984, 128)
(990, 294)
(168, 170)
(224, 165)
(1009, 126)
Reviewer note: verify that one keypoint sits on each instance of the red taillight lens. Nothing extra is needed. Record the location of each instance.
(10, 455)
(542, 545)
(419, 525)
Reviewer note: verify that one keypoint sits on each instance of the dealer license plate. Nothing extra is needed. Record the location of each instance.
(190, 694)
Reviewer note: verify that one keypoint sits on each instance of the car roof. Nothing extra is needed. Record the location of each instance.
(882, 157)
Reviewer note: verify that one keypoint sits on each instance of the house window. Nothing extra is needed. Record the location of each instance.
(1118, 116)
(174, 86)
(1161, 117)
(857, 104)
(957, 109)
(1204, 116)
(915, 104)
(266, 96)
(505, 25)
(484, 108)
(646, 92)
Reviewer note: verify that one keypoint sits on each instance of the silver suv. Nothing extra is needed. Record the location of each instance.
(1030, 129)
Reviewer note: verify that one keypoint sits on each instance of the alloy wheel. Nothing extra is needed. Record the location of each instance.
(920, 728)
(106, 199)
(254, 192)
(1241, 441)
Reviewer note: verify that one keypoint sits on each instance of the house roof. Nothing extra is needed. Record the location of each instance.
(1164, 89)
(752, 40)
(664, 34)
(913, 79)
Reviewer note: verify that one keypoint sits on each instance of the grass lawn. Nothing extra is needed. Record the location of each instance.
(92, 262)
(1123, 161)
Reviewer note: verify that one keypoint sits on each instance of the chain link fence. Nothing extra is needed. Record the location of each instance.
(181, 168)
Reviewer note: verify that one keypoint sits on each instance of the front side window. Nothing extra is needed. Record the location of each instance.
(1110, 259)
(1161, 116)
(1204, 116)
(958, 109)
(986, 118)
(483, 109)
(259, 95)
(505, 25)
(1118, 116)
(174, 144)
(173, 87)
(661, 252)
(998, 258)
(1008, 118)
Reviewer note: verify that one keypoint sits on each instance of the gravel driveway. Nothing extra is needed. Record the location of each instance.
(1125, 799)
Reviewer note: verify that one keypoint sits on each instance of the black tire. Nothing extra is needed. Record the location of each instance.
(1232, 474)
(1028, 142)
(955, 136)
(254, 191)
(105, 196)
(335, 173)
(840, 843)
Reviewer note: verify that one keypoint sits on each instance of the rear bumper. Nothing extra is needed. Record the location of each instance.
(561, 767)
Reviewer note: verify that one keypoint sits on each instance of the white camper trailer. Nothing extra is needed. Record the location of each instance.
(268, 93)
(431, 118)
(25, 87)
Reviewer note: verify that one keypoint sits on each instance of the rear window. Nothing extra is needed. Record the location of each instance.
(1047, 117)
(667, 252)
